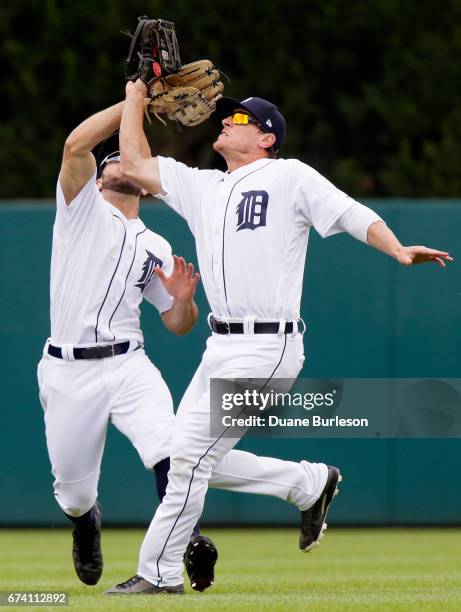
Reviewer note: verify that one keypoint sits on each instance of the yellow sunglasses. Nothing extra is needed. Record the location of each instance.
(244, 119)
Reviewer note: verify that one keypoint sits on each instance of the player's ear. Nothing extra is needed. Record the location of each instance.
(144, 192)
(99, 183)
(267, 140)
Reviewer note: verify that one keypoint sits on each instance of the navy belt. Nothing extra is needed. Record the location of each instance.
(223, 327)
(92, 352)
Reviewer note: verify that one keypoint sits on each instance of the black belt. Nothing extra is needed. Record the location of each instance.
(222, 327)
(92, 352)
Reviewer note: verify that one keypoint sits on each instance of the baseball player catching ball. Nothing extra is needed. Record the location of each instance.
(251, 226)
(94, 369)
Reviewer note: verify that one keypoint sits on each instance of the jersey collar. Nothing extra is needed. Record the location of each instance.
(230, 177)
(118, 213)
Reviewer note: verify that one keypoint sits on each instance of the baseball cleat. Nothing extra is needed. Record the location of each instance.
(137, 585)
(313, 524)
(200, 558)
(86, 550)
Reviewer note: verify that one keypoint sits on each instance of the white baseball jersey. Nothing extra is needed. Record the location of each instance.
(102, 265)
(251, 228)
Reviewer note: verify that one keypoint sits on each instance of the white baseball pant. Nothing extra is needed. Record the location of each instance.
(199, 461)
(81, 397)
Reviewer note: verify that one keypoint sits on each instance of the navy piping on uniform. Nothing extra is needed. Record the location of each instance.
(113, 275)
(276, 367)
(224, 227)
(126, 280)
(202, 457)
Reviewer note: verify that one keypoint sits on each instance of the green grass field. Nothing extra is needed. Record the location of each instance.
(353, 569)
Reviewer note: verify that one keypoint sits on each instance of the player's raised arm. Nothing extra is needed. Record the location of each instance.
(78, 162)
(136, 159)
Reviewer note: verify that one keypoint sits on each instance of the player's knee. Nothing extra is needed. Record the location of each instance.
(151, 459)
(72, 501)
(188, 468)
(180, 468)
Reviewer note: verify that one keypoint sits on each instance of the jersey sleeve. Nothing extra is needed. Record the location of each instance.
(182, 186)
(356, 221)
(319, 203)
(70, 219)
(155, 293)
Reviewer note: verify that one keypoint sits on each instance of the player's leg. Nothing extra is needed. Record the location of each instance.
(187, 484)
(195, 453)
(76, 414)
(142, 409)
(308, 486)
(140, 583)
(299, 484)
(161, 470)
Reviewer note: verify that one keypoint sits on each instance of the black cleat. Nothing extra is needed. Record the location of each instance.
(86, 550)
(137, 585)
(200, 558)
(313, 520)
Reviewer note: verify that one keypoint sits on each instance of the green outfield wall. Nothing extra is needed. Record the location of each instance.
(366, 316)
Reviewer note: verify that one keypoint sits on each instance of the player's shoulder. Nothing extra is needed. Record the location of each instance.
(288, 170)
(170, 162)
(88, 192)
(284, 165)
(211, 174)
(156, 242)
(301, 172)
(296, 165)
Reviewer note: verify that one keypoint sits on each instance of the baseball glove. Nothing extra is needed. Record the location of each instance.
(154, 50)
(186, 94)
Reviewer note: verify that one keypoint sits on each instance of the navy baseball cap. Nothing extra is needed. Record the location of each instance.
(112, 157)
(268, 115)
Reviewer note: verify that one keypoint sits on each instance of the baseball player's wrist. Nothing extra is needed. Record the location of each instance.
(397, 251)
(182, 316)
(185, 302)
(141, 87)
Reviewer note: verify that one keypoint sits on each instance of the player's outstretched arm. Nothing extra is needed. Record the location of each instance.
(136, 159)
(181, 285)
(382, 238)
(78, 162)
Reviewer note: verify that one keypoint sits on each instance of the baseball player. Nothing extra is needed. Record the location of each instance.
(94, 368)
(251, 226)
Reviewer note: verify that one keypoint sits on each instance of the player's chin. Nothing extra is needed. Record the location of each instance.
(122, 186)
(218, 144)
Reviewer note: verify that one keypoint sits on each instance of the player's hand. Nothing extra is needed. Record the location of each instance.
(182, 282)
(135, 86)
(411, 255)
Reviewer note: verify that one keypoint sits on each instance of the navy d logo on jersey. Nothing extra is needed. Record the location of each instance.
(252, 210)
(148, 270)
